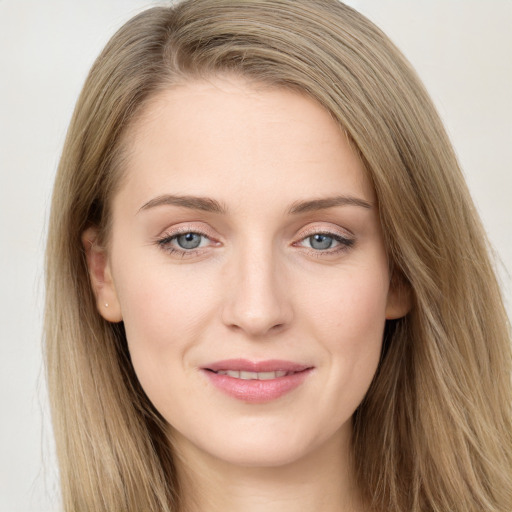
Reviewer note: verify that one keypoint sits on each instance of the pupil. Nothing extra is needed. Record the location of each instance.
(320, 242)
(189, 240)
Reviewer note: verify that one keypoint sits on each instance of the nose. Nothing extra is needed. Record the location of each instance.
(257, 301)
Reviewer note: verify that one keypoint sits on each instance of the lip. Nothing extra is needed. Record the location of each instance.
(256, 391)
(271, 365)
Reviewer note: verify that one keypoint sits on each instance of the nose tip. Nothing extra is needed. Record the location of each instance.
(255, 324)
(257, 303)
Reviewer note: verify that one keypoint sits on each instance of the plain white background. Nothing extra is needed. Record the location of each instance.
(461, 49)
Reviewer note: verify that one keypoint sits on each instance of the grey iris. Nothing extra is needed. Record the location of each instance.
(320, 242)
(189, 240)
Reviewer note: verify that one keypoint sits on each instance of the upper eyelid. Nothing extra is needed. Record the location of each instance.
(172, 236)
(306, 231)
(323, 230)
(186, 228)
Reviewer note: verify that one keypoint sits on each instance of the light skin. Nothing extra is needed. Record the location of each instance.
(290, 264)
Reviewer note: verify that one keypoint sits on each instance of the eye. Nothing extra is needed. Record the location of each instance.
(320, 242)
(326, 242)
(189, 240)
(184, 243)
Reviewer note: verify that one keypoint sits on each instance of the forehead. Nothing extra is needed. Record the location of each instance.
(227, 136)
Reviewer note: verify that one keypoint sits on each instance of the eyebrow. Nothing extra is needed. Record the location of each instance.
(328, 202)
(208, 204)
(193, 202)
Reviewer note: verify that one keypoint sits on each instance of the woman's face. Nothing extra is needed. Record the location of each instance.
(247, 263)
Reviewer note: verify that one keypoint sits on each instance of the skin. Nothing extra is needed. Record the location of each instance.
(258, 287)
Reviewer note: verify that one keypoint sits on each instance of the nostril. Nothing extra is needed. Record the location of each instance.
(257, 304)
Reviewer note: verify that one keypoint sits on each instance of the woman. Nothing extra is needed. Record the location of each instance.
(266, 282)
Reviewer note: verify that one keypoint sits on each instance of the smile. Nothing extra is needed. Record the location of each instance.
(256, 382)
(254, 375)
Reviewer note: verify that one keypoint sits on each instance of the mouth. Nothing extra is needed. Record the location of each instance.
(256, 382)
(243, 375)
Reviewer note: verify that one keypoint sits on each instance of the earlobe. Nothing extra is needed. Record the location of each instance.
(101, 277)
(399, 299)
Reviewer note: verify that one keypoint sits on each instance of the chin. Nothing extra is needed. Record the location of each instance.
(257, 455)
(258, 447)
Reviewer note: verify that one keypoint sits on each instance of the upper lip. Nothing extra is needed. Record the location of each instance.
(244, 365)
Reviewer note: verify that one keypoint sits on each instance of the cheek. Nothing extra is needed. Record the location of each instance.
(159, 302)
(349, 321)
(164, 314)
(351, 305)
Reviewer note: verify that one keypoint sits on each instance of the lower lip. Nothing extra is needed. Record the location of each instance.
(257, 391)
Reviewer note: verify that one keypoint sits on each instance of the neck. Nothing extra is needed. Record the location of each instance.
(319, 481)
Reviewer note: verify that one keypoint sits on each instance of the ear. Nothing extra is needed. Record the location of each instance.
(101, 277)
(399, 298)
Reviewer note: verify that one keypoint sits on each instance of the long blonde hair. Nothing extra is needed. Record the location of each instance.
(434, 432)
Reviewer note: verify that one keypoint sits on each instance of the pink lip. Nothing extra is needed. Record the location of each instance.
(256, 391)
(271, 365)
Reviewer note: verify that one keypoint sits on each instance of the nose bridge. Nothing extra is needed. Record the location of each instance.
(257, 302)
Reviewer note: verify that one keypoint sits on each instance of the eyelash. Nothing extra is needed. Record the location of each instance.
(345, 243)
(167, 239)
